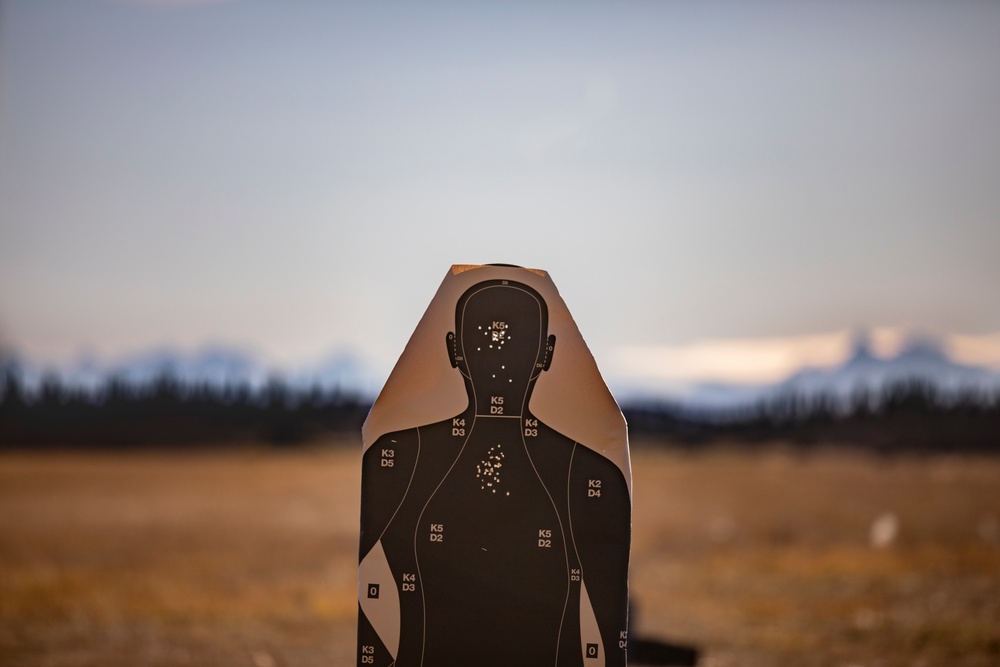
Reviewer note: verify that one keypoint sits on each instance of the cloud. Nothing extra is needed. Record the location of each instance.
(887, 341)
(734, 360)
(976, 350)
(763, 360)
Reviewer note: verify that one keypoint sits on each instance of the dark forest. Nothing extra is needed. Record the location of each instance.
(904, 417)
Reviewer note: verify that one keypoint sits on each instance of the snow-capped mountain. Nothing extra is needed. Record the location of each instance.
(921, 360)
(215, 366)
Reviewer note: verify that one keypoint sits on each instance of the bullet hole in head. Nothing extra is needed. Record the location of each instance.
(496, 332)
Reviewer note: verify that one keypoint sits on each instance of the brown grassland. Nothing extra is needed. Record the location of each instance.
(248, 557)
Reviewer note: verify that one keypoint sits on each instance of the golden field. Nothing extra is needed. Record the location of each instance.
(247, 557)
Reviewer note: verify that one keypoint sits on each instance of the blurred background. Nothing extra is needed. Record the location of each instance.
(775, 223)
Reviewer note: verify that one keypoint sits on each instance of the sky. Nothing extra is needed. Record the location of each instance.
(721, 191)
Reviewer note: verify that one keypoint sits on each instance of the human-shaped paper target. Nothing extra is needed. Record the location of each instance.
(496, 490)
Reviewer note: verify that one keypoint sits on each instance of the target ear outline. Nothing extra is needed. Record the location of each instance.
(550, 348)
(452, 344)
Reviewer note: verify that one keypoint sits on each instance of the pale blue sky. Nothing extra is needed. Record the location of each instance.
(297, 177)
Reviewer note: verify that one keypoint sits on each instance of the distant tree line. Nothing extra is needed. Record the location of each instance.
(903, 416)
(906, 416)
(168, 412)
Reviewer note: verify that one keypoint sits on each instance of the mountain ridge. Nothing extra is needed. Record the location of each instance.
(920, 359)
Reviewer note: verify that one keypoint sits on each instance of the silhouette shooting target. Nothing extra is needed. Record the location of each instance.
(496, 489)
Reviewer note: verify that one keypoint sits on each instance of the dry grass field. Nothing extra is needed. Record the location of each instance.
(248, 557)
